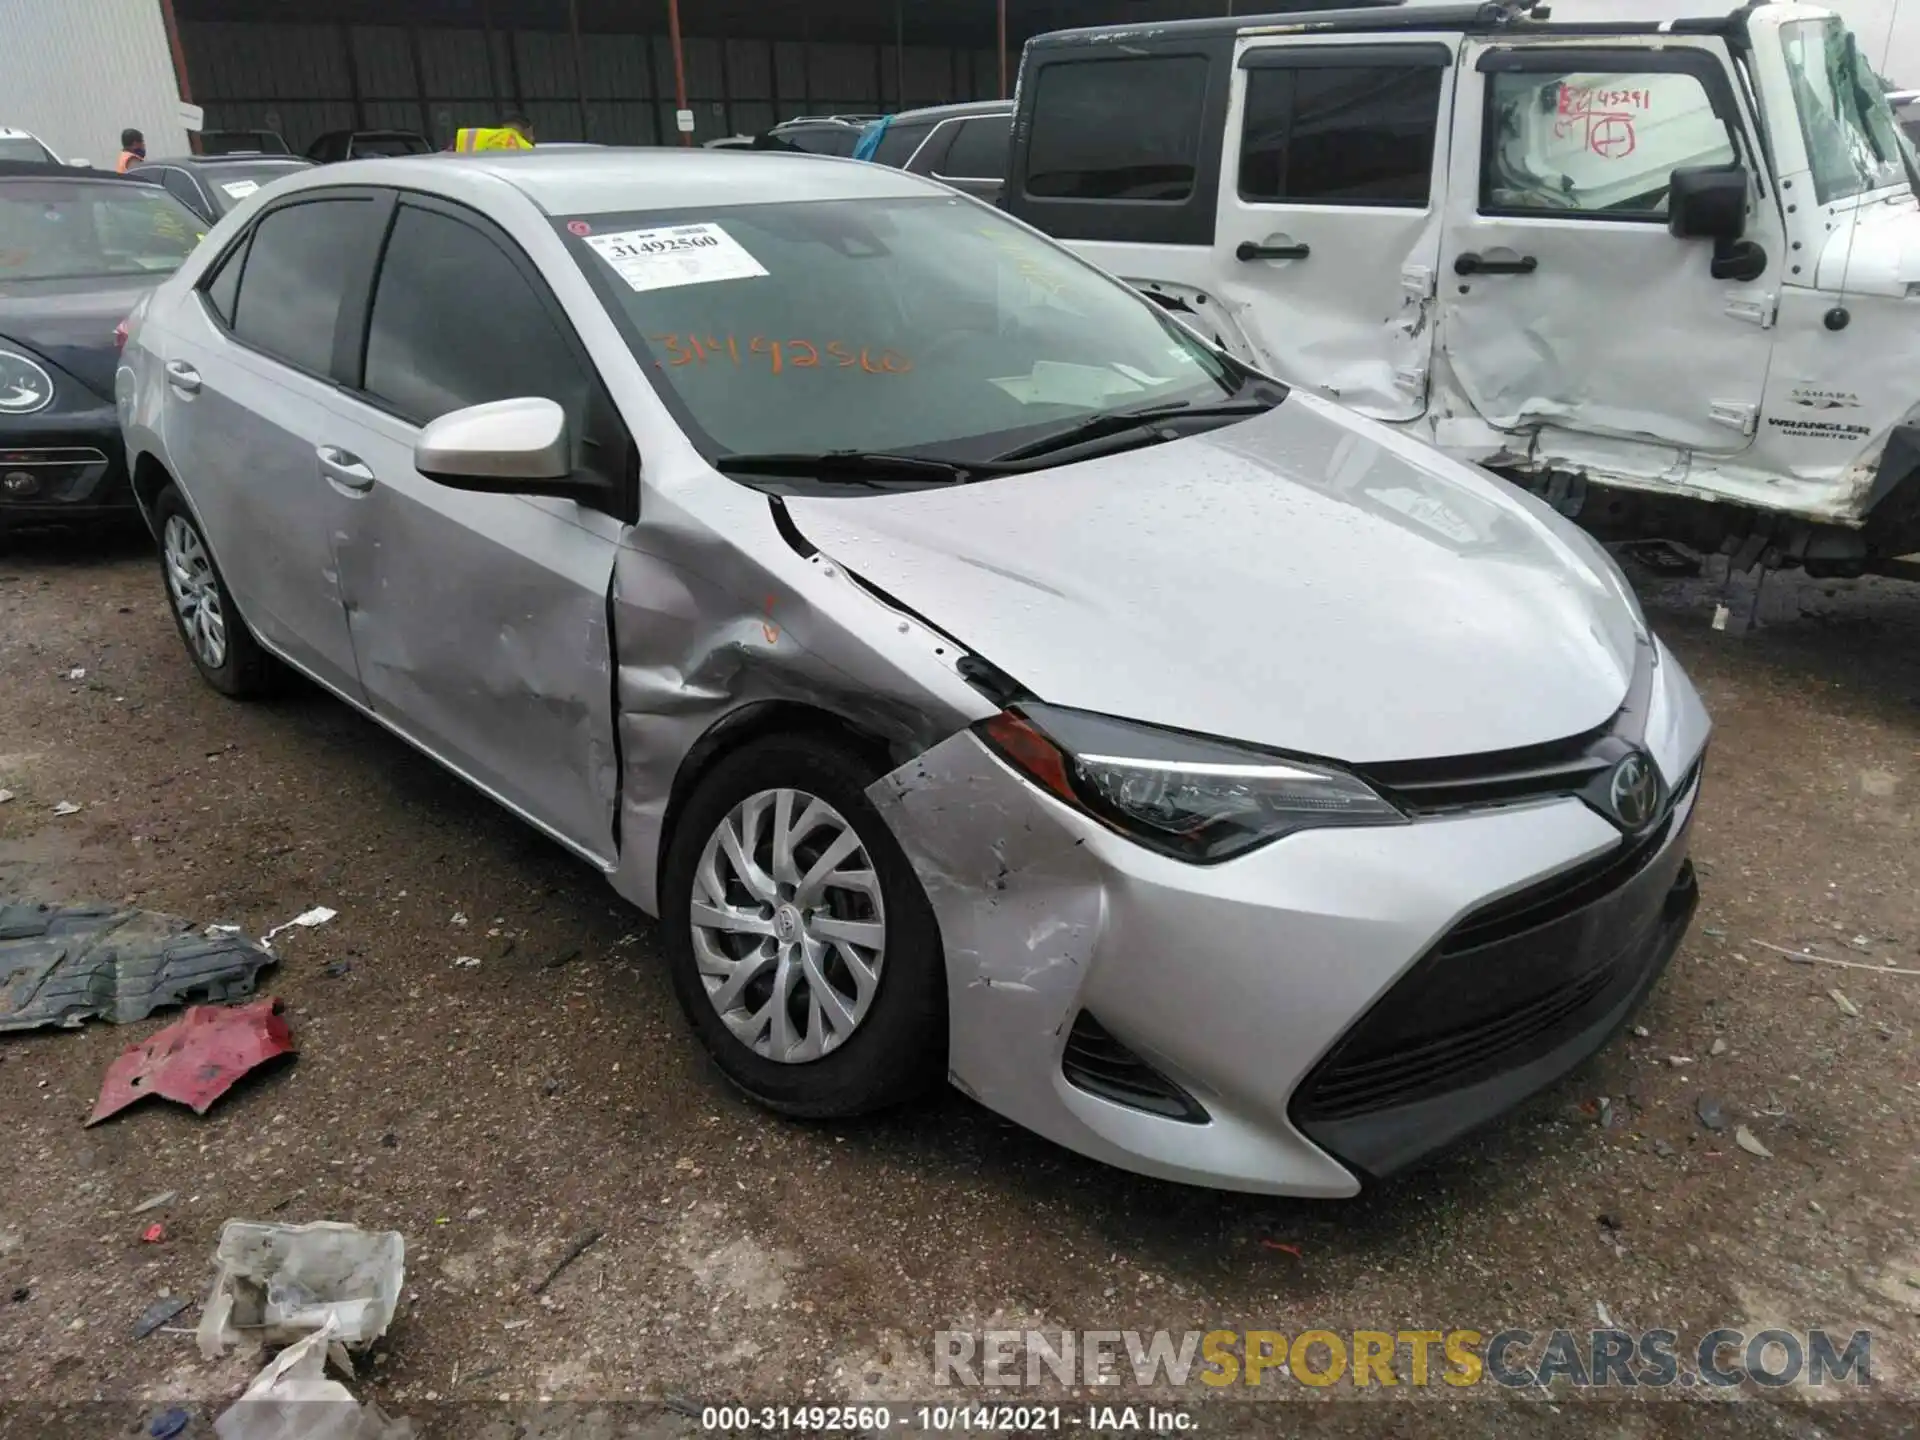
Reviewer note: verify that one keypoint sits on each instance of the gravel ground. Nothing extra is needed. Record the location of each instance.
(490, 1113)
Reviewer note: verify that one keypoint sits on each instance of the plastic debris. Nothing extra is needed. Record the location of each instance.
(154, 1202)
(1721, 614)
(5, 796)
(60, 965)
(1847, 1007)
(467, 962)
(158, 1314)
(293, 1399)
(1679, 1061)
(1748, 1142)
(1719, 1047)
(169, 1423)
(305, 920)
(153, 1234)
(66, 807)
(279, 1283)
(196, 1059)
(78, 672)
(1710, 1113)
(1600, 1310)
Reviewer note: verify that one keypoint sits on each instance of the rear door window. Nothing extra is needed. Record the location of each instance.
(184, 189)
(301, 261)
(898, 144)
(980, 149)
(1120, 129)
(1339, 134)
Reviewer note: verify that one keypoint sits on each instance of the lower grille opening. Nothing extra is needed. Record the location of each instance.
(1100, 1065)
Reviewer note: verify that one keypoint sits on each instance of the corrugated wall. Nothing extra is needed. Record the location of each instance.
(77, 72)
(303, 80)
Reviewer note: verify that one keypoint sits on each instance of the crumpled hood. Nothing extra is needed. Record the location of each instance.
(70, 322)
(1304, 580)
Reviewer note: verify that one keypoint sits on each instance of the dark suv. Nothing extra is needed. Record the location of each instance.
(964, 146)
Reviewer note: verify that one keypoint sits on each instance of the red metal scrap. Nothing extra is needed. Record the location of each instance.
(196, 1059)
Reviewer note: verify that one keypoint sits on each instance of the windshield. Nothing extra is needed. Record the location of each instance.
(230, 184)
(1853, 143)
(881, 325)
(24, 147)
(57, 229)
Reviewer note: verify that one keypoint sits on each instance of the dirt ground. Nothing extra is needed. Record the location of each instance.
(492, 1112)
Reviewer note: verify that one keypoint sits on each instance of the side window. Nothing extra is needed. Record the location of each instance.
(433, 346)
(181, 186)
(1123, 129)
(896, 147)
(223, 287)
(298, 268)
(1577, 143)
(1340, 134)
(980, 149)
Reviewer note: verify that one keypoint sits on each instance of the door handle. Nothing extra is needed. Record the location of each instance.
(1250, 251)
(344, 468)
(1472, 264)
(183, 377)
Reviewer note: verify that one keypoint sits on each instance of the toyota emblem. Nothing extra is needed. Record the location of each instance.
(1633, 792)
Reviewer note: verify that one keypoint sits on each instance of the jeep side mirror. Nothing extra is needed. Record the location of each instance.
(1707, 202)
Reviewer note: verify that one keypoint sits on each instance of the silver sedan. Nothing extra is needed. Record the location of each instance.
(980, 675)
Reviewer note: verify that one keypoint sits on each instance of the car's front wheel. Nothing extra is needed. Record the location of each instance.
(802, 948)
(223, 649)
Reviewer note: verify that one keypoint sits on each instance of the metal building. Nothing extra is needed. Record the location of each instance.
(77, 72)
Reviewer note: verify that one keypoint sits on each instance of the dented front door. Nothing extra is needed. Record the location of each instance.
(1330, 211)
(1566, 306)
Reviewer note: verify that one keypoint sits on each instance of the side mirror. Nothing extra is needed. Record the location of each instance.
(513, 447)
(1707, 202)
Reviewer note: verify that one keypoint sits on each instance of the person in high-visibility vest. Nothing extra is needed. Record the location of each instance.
(515, 134)
(133, 149)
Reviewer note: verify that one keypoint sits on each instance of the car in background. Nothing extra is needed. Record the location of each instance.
(242, 142)
(964, 146)
(816, 134)
(338, 145)
(78, 250)
(211, 185)
(1906, 110)
(756, 542)
(26, 146)
(731, 142)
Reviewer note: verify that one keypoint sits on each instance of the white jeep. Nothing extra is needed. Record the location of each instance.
(1665, 273)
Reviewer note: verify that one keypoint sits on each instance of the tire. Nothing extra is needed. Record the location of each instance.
(202, 606)
(896, 1046)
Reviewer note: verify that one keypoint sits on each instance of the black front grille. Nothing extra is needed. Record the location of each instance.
(1099, 1064)
(1499, 777)
(1512, 981)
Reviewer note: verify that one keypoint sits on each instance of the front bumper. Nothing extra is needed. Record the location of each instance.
(1198, 1023)
(63, 466)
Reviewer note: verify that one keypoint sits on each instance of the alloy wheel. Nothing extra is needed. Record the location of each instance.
(789, 928)
(195, 592)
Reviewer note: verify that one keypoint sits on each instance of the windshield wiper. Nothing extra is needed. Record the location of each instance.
(855, 466)
(1146, 420)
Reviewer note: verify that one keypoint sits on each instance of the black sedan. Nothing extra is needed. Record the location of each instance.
(78, 249)
(211, 185)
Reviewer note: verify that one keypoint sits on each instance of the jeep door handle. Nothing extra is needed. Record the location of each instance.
(345, 468)
(1472, 264)
(1250, 251)
(183, 377)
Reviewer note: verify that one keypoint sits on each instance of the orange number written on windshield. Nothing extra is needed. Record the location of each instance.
(780, 356)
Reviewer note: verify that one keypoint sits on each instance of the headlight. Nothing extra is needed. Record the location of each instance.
(1184, 795)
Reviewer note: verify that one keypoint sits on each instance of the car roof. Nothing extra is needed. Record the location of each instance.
(592, 182)
(948, 112)
(1335, 16)
(40, 170)
(243, 157)
(7, 132)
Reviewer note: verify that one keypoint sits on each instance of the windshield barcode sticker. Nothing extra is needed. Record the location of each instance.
(240, 189)
(675, 255)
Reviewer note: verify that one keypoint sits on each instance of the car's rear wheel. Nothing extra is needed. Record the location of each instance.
(801, 946)
(223, 649)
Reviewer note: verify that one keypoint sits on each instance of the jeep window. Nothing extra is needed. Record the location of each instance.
(980, 149)
(1851, 136)
(1600, 144)
(1122, 129)
(1340, 135)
